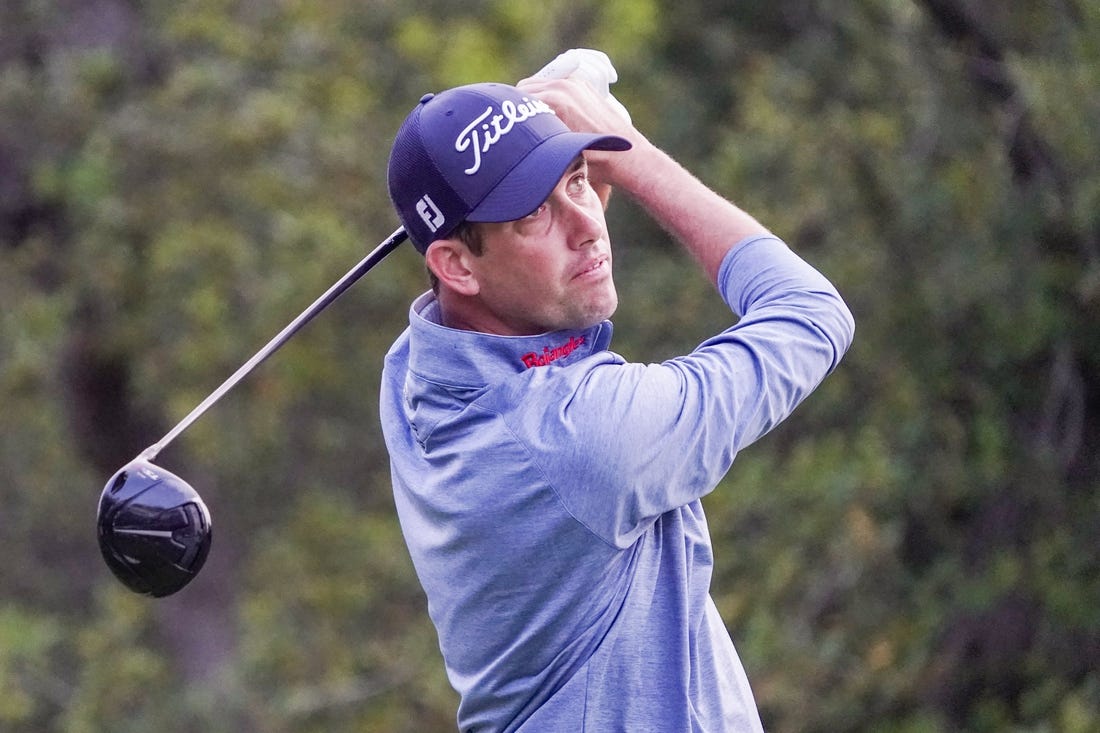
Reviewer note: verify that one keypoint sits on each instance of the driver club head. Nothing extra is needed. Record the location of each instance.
(154, 529)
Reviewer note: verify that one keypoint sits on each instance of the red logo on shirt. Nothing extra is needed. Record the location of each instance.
(548, 355)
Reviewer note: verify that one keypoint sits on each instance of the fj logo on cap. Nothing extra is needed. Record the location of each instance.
(497, 126)
(430, 213)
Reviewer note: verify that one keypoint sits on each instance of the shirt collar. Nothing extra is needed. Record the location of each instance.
(472, 359)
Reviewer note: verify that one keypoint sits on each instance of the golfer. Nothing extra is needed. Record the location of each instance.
(548, 489)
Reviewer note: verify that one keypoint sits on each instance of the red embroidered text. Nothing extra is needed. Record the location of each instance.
(548, 355)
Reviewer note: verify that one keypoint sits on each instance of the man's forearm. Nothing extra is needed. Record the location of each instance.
(705, 223)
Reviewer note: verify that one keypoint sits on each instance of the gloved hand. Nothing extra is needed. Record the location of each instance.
(590, 65)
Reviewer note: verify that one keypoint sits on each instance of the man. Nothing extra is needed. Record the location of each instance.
(549, 491)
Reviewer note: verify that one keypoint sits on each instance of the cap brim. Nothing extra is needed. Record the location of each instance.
(530, 183)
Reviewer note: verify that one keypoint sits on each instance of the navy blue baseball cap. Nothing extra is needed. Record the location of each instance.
(481, 153)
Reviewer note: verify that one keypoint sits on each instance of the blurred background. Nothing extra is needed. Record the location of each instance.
(916, 551)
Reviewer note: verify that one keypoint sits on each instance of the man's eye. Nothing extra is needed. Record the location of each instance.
(579, 182)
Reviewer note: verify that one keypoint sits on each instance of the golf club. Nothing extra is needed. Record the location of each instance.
(154, 529)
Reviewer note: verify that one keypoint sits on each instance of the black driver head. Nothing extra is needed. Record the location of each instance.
(154, 529)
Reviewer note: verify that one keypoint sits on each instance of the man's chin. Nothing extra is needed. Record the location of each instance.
(598, 314)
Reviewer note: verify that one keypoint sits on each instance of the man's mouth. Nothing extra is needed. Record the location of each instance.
(592, 268)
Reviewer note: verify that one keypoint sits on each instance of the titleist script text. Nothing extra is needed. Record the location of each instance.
(480, 135)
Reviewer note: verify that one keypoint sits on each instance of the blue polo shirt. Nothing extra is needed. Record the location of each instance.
(548, 491)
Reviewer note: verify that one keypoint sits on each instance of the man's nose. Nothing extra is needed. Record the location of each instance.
(585, 225)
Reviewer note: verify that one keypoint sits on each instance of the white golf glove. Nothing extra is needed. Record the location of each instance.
(590, 65)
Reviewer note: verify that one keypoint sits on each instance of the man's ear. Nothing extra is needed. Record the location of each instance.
(449, 261)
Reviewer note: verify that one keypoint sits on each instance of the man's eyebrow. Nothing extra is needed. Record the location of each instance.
(578, 163)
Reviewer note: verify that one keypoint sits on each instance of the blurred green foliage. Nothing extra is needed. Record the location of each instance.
(914, 552)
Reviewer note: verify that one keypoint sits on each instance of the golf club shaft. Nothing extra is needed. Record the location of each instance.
(372, 259)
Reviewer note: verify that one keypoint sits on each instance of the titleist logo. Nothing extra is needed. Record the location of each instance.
(485, 132)
(532, 359)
